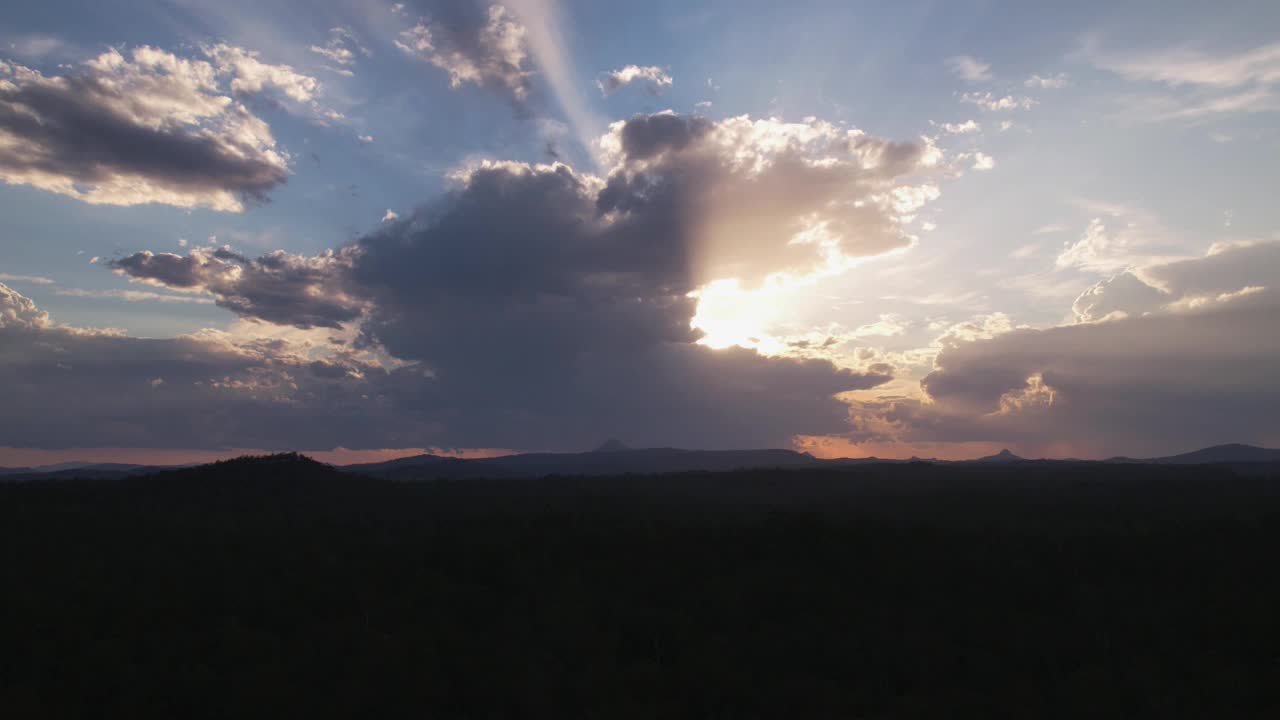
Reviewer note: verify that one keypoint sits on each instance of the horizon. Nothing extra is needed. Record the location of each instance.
(365, 231)
(341, 457)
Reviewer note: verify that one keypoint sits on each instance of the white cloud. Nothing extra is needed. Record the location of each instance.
(33, 279)
(188, 144)
(964, 128)
(982, 161)
(1112, 244)
(250, 76)
(133, 296)
(655, 79)
(994, 103)
(389, 215)
(341, 49)
(1184, 66)
(969, 69)
(1200, 84)
(1060, 80)
(365, 138)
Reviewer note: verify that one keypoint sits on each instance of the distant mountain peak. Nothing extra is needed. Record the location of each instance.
(1002, 456)
(611, 445)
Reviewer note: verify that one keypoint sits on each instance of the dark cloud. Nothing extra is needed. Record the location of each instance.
(77, 388)
(151, 128)
(474, 43)
(647, 135)
(277, 287)
(543, 308)
(1194, 368)
(66, 387)
(544, 322)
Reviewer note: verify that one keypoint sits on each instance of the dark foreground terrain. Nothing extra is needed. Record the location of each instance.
(280, 587)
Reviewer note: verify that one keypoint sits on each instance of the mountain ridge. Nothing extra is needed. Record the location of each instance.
(614, 458)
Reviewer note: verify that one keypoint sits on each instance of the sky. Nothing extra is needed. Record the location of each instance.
(365, 229)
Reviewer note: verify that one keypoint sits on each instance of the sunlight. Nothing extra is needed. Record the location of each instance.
(730, 316)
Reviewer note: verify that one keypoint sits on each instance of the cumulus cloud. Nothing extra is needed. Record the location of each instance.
(998, 103)
(964, 128)
(1114, 243)
(764, 197)
(969, 69)
(1181, 359)
(250, 76)
(487, 49)
(148, 128)
(214, 391)
(1047, 82)
(277, 287)
(18, 311)
(654, 78)
(542, 307)
(210, 390)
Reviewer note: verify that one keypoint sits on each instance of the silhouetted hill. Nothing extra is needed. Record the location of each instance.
(618, 460)
(281, 586)
(82, 470)
(1004, 456)
(1232, 453)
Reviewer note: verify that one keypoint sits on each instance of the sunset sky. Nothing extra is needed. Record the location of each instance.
(365, 229)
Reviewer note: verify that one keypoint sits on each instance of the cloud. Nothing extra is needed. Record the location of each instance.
(1060, 80)
(206, 390)
(18, 311)
(982, 161)
(390, 215)
(1183, 357)
(210, 391)
(969, 69)
(763, 197)
(1184, 66)
(964, 128)
(485, 49)
(150, 128)
(366, 139)
(995, 103)
(541, 307)
(1201, 84)
(33, 279)
(341, 49)
(655, 79)
(277, 287)
(251, 76)
(133, 296)
(1114, 243)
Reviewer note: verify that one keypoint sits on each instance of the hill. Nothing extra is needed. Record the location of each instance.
(611, 459)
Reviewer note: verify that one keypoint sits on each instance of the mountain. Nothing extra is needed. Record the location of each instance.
(1004, 456)
(611, 445)
(83, 470)
(1232, 453)
(612, 458)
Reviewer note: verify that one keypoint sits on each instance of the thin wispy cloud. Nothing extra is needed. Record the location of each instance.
(969, 68)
